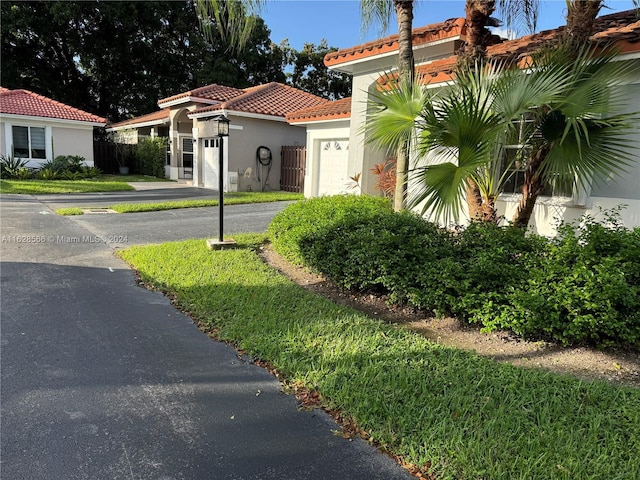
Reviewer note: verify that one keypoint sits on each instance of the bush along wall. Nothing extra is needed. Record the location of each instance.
(581, 287)
(150, 156)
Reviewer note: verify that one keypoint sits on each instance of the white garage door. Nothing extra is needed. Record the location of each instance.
(332, 171)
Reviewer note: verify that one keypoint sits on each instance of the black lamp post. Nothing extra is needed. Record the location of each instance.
(221, 127)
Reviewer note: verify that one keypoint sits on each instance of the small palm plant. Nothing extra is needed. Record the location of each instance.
(572, 134)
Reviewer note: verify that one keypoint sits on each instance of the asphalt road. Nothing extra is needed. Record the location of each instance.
(102, 379)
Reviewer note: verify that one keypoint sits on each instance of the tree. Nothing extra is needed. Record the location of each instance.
(116, 59)
(572, 134)
(231, 20)
(311, 75)
(381, 10)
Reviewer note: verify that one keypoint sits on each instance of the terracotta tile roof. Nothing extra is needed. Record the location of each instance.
(158, 116)
(335, 110)
(215, 92)
(621, 29)
(273, 99)
(24, 102)
(438, 31)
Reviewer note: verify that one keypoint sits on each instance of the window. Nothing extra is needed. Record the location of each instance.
(29, 142)
(514, 161)
(187, 152)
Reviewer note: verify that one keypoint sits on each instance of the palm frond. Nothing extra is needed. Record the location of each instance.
(392, 113)
(234, 20)
(376, 12)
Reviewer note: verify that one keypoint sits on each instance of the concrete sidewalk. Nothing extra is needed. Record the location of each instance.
(162, 185)
(102, 379)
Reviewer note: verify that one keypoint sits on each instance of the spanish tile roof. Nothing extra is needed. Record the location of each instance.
(26, 103)
(336, 110)
(621, 29)
(451, 28)
(214, 92)
(273, 99)
(159, 116)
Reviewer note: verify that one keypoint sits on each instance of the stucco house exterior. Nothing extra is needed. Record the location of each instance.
(37, 129)
(335, 143)
(257, 119)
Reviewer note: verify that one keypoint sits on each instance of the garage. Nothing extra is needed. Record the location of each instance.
(332, 167)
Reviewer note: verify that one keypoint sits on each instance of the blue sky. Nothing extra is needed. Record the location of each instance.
(338, 21)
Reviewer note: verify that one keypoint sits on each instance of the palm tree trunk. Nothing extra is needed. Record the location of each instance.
(478, 13)
(531, 189)
(404, 15)
(474, 200)
(581, 15)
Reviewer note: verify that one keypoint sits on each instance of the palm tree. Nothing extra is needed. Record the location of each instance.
(234, 19)
(570, 135)
(581, 15)
(381, 11)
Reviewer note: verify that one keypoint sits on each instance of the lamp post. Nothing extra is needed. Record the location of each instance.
(221, 127)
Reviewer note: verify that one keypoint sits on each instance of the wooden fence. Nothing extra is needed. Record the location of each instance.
(104, 156)
(293, 166)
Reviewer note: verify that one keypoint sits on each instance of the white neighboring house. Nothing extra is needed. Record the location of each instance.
(257, 119)
(330, 127)
(37, 129)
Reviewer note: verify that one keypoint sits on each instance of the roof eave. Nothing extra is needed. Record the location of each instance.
(165, 103)
(53, 119)
(150, 123)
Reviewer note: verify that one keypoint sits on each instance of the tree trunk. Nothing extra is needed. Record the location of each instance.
(478, 13)
(581, 15)
(531, 189)
(404, 14)
(474, 200)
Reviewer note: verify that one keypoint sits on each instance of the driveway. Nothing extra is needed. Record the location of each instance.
(102, 379)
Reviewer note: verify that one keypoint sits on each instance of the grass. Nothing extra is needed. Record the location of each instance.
(69, 211)
(450, 412)
(102, 183)
(40, 187)
(230, 199)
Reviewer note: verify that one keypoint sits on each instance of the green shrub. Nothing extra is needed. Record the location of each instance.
(150, 156)
(317, 214)
(47, 173)
(24, 173)
(65, 163)
(582, 287)
(12, 167)
(90, 172)
(587, 289)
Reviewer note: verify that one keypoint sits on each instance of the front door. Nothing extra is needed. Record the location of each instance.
(186, 166)
(210, 162)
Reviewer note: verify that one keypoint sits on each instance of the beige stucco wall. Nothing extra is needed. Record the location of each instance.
(73, 141)
(362, 157)
(256, 133)
(61, 138)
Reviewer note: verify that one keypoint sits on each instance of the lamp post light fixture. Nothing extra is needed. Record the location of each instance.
(221, 127)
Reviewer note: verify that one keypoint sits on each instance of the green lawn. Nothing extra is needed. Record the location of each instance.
(39, 187)
(229, 199)
(102, 183)
(450, 412)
